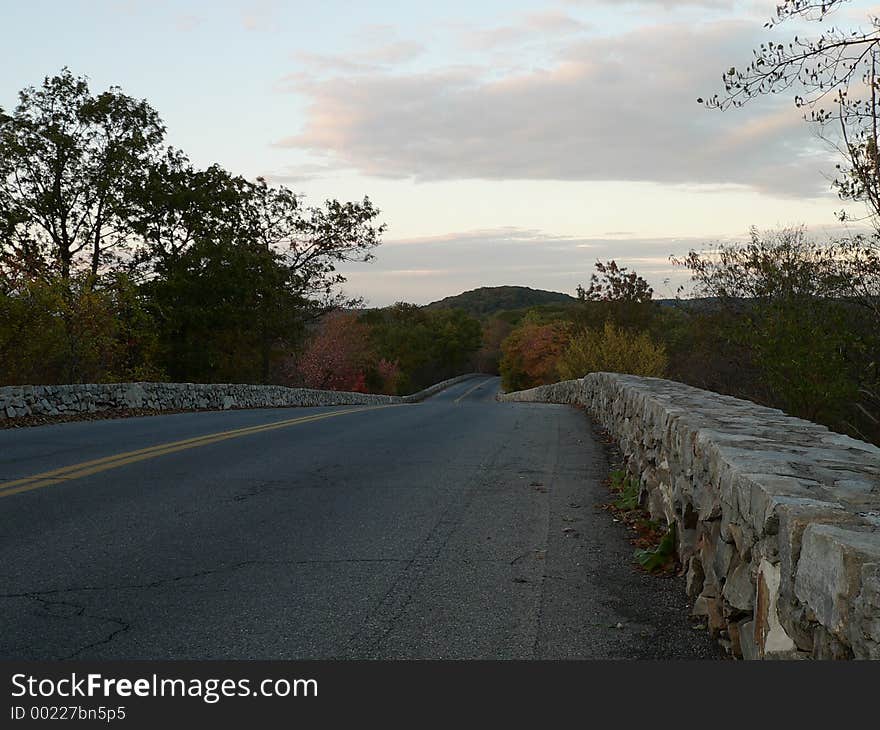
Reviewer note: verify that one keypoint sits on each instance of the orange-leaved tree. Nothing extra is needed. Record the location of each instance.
(529, 355)
(338, 355)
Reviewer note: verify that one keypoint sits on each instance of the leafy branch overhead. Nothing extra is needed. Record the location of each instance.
(833, 77)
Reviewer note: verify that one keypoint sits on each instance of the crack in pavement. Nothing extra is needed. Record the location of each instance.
(198, 574)
(80, 611)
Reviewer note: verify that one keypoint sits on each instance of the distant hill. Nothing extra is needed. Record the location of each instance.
(488, 300)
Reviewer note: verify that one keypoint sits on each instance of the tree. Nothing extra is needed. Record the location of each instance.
(68, 161)
(530, 354)
(783, 264)
(617, 295)
(215, 304)
(791, 310)
(456, 336)
(613, 283)
(338, 355)
(225, 272)
(174, 205)
(427, 345)
(311, 243)
(495, 331)
(199, 225)
(834, 79)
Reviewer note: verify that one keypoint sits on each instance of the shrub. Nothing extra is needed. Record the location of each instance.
(612, 350)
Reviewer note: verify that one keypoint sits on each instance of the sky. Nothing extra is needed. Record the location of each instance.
(505, 141)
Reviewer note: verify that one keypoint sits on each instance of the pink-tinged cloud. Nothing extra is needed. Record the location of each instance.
(620, 108)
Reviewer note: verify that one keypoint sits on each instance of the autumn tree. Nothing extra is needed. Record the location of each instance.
(69, 158)
(337, 356)
(529, 356)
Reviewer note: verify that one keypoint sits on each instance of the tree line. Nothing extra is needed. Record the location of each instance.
(780, 320)
(120, 259)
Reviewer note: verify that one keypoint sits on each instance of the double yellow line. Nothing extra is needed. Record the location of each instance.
(87, 468)
(469, 391)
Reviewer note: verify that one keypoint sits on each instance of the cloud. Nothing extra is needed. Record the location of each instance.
(424, 269)
(535, 27)
(259, 15)
(186, 23)
(296, 174)
(394, 52)
(380, 47)
(669, 4)
(606, 108)
(428, 268)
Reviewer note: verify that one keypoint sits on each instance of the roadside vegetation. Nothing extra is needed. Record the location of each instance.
(654, 542)
(779, 320)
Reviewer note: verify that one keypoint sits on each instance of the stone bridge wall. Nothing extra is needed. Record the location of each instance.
(777, 518)
(53, 400)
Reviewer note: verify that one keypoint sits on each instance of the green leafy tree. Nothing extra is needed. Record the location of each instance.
(789, 309)
(618, 295)
(426, 345)
(68, 161)
(208, 306)
(174, 205)
(456, 337)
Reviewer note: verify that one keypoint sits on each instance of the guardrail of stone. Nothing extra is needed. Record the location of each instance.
(777, 519)
(51, 400)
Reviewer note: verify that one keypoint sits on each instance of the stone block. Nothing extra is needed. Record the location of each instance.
(829, 572)
(770, 636)
(739, 589)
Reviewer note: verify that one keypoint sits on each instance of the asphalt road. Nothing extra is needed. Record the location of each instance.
(456, 528)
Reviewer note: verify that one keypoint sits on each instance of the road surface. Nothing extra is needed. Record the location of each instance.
(456, 528)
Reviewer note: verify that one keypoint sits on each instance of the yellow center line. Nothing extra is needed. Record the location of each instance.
(468, 392)
(87, 468)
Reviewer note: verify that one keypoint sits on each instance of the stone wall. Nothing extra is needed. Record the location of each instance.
(53, 400)
(777, 518)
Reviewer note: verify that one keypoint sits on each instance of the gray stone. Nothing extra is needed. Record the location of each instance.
(829, 572)
(864, 628)
(747, 643)
(739, 589)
